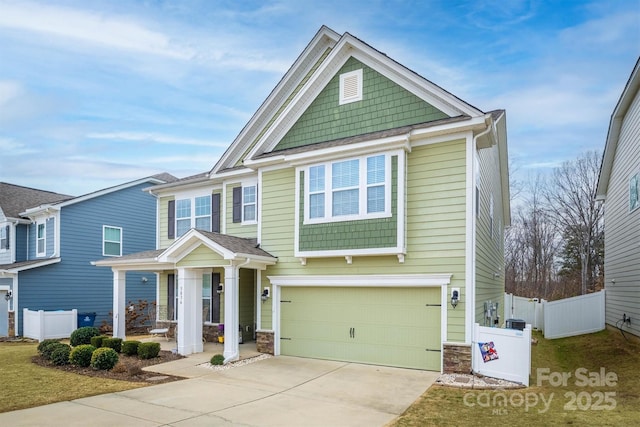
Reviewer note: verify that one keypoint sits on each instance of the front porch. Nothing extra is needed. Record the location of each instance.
(187, 273)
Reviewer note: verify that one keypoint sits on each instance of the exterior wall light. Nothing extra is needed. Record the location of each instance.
(455, 297)
(8, 295)
(265, 294)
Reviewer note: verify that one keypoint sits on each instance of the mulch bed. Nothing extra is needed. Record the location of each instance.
(129, 368)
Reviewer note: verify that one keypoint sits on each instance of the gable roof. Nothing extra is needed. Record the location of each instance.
(231, 248)
(316, 66)
(154, 179)
(628, 94)
(16, 198)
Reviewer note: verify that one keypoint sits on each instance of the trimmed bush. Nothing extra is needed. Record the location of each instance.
(83, 335)
(60, 356)
(148, 350)
(97, 340)
(81, 355)
(130, 348)
(46, 347)
(114, 343)
(104, 358)
(217, 359)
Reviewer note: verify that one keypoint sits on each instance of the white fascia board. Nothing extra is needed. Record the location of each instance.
(398, 142)
(325, 38)
(626, 98)
(167, 191)
(364, 280)
(349, 252)
(31, 266)
(349, 46)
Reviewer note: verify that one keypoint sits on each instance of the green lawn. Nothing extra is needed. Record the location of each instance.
(585, 398)
(25, 384)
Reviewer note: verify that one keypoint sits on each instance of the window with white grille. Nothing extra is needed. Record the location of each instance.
(351, 87)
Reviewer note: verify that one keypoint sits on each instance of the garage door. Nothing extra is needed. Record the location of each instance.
(382, 326)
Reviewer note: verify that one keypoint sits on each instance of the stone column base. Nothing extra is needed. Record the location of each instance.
(264, 341)
(457, 359)
(12, 324)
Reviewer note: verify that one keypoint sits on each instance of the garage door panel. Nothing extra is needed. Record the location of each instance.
(386, 326)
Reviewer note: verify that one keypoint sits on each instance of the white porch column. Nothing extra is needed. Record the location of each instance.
(189, 311)
(119, 303)
(231, 315)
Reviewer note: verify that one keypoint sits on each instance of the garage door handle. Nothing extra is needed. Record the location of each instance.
(352, 332)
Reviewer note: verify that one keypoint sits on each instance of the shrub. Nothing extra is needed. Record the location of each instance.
(120, 368)
(81, 355)
(44, 345)
(148, 350)
(60, 356)
(97, 340)
(104, 358)
(83, 335)
(47, 347)
(130, 348)
(217, 359)
(114, 343)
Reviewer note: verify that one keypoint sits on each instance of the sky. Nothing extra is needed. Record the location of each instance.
(98, 93)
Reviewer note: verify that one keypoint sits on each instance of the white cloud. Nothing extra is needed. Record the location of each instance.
(98, 29)
(157, 138)
(9, 90)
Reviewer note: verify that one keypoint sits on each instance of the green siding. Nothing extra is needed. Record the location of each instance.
(489, 248)
(435, 241)
(236, 228)
(385, 326)
(385, 105)
(202, 257)
(362, 234)
(284, 105)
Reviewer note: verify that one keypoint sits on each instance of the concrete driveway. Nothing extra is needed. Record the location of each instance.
(279, 391)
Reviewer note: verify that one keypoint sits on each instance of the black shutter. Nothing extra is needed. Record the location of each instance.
(237, 204)
(6, 242)
(171, 219)
(171, 297)
(215, 212)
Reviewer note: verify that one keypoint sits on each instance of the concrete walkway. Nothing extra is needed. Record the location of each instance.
(278, 391)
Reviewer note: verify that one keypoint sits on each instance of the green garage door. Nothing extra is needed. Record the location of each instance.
(382, 326)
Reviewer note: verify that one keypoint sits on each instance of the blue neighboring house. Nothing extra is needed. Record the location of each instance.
(51, 241)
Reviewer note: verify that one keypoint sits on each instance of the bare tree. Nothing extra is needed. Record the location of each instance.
(531, 246)
(570, 200)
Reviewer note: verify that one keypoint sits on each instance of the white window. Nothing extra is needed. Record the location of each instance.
(41, 236)
(350, 87)
(111, 241)
(193, 212)
(183, 216)
(203, 213)
(348, 189)
(634, 192)
(249, 204)
(4, 238)
(210, 298)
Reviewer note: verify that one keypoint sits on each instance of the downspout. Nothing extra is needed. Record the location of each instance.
(471, 294)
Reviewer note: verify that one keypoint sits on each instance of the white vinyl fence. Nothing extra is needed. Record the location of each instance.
(527, 309)
(502, 353)
(567, 317)
(574, 316)
(41, 325)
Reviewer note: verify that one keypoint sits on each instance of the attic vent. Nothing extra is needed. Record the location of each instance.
(351, 87)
